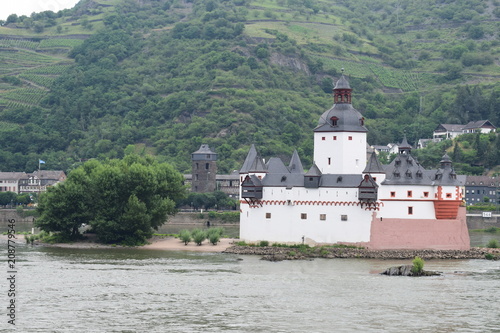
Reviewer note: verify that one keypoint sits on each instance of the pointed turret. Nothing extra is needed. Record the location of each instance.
(404, 146)
(295, 165)
(253, 163)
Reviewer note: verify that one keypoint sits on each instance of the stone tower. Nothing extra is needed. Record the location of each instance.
(204, 170)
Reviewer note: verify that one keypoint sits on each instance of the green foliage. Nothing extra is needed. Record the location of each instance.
(418, 266)
(493, 244)
(198, 236)
(122, 200)
(263, 243)
(169, 75)
(185, 236)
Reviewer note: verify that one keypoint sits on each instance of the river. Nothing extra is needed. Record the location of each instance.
(136, 290)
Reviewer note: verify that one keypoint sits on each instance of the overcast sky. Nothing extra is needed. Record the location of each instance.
(26, 7)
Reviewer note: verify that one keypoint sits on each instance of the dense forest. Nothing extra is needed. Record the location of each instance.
(160, 77)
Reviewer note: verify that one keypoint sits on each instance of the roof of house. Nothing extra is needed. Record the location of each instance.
(449, 128)
(478, 124)
(12, 175)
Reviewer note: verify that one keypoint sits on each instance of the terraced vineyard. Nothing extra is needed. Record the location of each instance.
(24, 96)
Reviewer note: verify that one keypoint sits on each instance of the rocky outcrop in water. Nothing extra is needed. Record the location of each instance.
(406, 270)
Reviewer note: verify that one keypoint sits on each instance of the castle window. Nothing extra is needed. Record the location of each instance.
(208, 156)
(393, 194)
(408, 174)
(448, 195)
(322, 217)
(398, 162)
(207, 166)
(303, 216)
(410, 194)
(334, 121)
(323, 138)
(410, 210)
(419, 174)
(329, 160)
(343, 217)
(196, 177)
(268, 215)
(374, 179)
(362, 121)
(350, 138)
(334, 137)
(197, 165)
(426, 194)
(396, 174)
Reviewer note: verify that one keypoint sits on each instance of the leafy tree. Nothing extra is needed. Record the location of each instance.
(123, 200)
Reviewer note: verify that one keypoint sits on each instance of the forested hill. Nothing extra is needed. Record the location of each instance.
(163, 76)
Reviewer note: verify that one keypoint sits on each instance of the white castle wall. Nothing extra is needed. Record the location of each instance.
(284, 221)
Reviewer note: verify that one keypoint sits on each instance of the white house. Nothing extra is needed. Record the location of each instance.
(348, 198)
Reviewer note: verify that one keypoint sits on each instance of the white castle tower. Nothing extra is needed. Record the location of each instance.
(340, 137)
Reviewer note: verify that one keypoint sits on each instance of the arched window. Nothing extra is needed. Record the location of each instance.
(334, 121)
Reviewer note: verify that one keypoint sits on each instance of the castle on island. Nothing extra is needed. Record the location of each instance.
(346, 197)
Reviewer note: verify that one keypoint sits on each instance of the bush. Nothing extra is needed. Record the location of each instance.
(418, 266)
(493, 244)
(241, 243)
(214, 238)
(198, 236)
(263, 243)
(185, 236)
(292, 253)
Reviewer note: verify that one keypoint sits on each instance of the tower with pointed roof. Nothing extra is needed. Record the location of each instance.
(204, 170)
(340, 137)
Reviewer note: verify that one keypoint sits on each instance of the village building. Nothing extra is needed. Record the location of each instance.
(36, 182)
(348, 198)
(482, 189)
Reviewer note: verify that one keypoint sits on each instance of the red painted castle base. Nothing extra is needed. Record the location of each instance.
(415, 234)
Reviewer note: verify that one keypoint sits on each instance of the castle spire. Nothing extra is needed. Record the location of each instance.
(342, 91)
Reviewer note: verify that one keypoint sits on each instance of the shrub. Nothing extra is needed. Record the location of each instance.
(241, 243)
(214, 238)
(492, 244)
(198, 236)
(263, 243)
(418, 266)
(489, 256)
(185, 236)
(292, 253)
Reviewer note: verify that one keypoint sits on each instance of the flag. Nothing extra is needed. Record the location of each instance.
(41, 162)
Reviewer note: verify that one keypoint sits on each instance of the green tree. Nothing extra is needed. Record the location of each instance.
(123, 200)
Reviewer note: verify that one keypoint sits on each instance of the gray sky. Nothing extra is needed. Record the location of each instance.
(26, 7)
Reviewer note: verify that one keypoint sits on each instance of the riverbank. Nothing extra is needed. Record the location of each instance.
(288, 253)
(168, 243)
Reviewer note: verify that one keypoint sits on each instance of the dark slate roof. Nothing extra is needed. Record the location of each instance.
(204, 149)
(346, 181)
(482, 181)
(374, 165)
(314, 171)
(478, 124)
(404, 144)
(449, 128)
(283, 179)
(253, 162)
(349, 119)
(276, 165)
(405, 170)
(295, 165)
(342, 83)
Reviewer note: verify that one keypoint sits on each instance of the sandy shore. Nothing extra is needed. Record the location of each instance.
(155, 243)
(174, 244)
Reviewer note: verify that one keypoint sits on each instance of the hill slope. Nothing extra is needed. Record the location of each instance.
(161, 77)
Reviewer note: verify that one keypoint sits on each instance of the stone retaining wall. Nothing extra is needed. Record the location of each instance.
(287, 253)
